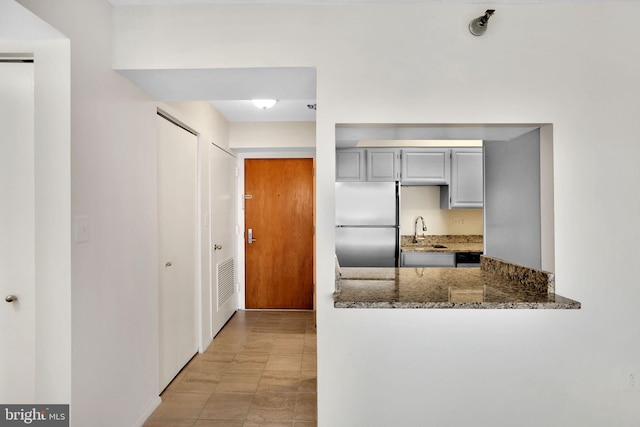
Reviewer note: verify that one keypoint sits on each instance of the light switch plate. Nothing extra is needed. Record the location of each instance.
(82, 229)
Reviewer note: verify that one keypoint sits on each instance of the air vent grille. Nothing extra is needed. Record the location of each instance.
(225, 272)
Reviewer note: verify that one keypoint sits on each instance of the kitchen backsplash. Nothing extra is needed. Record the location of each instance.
(407, 240)
(425, 201)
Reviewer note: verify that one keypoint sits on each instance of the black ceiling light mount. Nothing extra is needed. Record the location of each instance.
(478, 26)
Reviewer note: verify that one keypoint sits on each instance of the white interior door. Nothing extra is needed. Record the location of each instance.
(222, 166)
(17, 231)
(177, 232)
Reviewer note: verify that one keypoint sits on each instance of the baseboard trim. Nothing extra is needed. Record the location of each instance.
(147, 412)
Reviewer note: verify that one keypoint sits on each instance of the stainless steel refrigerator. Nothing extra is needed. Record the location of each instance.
(367, 231)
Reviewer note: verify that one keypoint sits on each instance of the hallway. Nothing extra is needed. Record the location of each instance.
(260, 371)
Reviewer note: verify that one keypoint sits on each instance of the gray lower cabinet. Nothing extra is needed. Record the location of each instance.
(428, 259)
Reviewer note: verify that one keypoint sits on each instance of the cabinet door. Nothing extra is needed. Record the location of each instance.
(383, 165)
(428, 259)
(466, 188)
(350, 165)
(426, 166)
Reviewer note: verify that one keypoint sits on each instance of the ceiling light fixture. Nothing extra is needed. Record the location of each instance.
(264, 104)
(479, 25)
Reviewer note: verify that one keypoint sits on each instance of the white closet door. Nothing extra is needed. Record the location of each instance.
(17, 231)
(177, 223)
(222, 166)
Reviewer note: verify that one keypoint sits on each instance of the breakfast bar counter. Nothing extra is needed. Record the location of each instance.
(495, 285)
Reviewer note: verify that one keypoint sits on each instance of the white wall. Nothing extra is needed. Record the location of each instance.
(114, 375)
(203, 118)
(251, 135)
(114, 372)
(421, 200)
(417, 63)
(410, 63)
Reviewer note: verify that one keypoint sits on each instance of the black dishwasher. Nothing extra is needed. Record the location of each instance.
(468, 259)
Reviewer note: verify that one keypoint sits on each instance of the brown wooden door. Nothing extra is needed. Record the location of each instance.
(279, 211)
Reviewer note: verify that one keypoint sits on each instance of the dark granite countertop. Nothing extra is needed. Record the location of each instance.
(494, 286)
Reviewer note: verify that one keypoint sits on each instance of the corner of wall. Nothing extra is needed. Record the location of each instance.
(547, 228)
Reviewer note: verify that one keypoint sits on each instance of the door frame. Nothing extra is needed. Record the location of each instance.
(261, 154)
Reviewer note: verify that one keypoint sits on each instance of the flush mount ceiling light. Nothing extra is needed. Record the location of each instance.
(479, 25)
(264, 104)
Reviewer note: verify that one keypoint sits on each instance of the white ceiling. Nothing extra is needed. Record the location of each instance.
(226, 84)
(231, 90)
(288, 110)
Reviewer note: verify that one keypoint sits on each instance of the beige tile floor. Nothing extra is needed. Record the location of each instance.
(260, 371)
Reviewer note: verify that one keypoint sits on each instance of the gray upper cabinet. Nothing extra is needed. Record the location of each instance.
(426, 166)
(457, 170)
(383, 164)
(466, 189)
(350, 165)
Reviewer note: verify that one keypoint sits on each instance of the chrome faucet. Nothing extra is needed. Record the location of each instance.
(415, 230)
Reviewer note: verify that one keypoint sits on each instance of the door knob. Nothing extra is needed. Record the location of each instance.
(250, 238)
(11, 298)
(217, 247)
